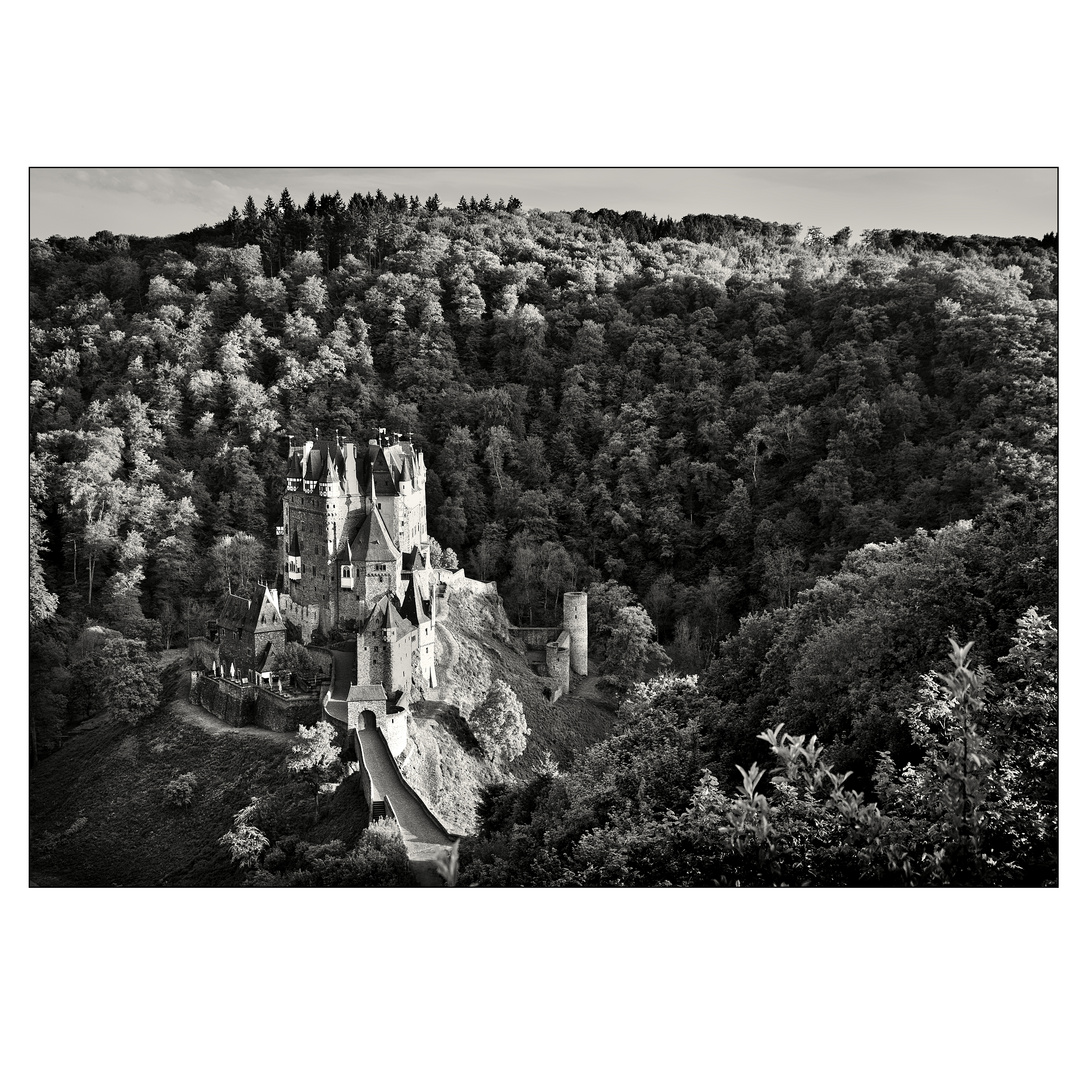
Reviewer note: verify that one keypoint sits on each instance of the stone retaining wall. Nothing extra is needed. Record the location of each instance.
(253, 705)
(277, 713)
(457, 580)
(228, 701)
(454, 577)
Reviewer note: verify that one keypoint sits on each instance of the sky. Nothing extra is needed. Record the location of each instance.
(952, 201)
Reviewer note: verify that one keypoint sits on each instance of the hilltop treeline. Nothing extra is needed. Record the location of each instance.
(714, 412)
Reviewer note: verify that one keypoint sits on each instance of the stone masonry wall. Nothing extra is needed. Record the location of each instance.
(305, 618)
(323, 657)
(277, 713)
(234, 704)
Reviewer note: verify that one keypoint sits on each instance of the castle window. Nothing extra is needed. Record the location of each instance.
(309, 486)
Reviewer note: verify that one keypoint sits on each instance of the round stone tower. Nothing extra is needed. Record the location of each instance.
(558, 665)
(576, 620)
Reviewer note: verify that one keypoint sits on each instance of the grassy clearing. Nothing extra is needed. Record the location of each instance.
(113, 780)
(97, 806)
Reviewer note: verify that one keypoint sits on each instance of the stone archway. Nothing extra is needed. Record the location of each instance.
(367, 720)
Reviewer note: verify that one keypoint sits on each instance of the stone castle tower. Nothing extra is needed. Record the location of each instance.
(356, 556)
(354, 528)
(576, 621)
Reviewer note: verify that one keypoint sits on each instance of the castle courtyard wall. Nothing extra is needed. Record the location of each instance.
(277, 713)
(242, 706)
(230, 702)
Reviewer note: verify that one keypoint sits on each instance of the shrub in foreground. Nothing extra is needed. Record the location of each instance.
(180, 792)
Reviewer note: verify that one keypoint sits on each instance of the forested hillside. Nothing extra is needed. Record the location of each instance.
(717, 414)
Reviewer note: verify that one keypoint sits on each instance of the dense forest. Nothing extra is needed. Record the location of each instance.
(793, 465)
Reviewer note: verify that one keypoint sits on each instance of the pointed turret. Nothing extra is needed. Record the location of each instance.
(415, 607)
(345, 560)
(386, 621)
(295, 472)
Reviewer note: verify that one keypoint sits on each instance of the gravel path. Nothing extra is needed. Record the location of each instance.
(193, 714)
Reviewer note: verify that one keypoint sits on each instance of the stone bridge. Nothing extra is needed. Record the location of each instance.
(424, 836)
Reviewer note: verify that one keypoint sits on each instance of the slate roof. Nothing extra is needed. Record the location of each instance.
(327, 461)
(244, 616)
(396, 622)
(324, 462)
(413, 560)
(374, 692)
(385, 616)
(233, 613)
(263, 613)
(373, 543)
(391, 465)
(415, 606)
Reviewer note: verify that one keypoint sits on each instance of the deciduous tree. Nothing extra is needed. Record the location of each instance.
(499, 725)
(313, 757)
(130, 682)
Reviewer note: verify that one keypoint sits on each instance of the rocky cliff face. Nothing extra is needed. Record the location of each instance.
(473, 648)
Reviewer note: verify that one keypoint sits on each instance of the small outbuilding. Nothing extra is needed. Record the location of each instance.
(251, 633)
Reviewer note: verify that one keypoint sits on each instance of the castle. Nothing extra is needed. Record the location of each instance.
(356, 554)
